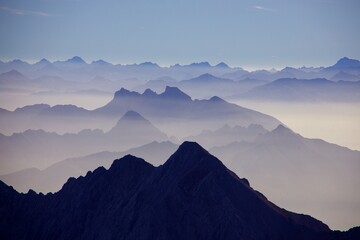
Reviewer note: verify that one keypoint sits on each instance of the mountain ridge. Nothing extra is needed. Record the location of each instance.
(201, 199)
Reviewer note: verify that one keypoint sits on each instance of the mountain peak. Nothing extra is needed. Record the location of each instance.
(43, 61)
(189, 147)
(216, 99)
(125, 93)
(12, 74)
(188, 156)
(200, 64)
(76, 59)
(346, 62)
(128, 121)
(148, 64)
(149, 93)
(132, 116)
(175, 93)
(281, 129)
(206, 76)
(222, 65)
(101, 62)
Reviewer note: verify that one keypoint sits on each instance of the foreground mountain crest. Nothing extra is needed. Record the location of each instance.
(192, 196)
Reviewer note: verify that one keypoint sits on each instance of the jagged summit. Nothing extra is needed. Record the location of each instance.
(148, 64)
(125, 93)
(200, 64)
(283, 134)
(192, 196)
(36, 108)
(175, 93)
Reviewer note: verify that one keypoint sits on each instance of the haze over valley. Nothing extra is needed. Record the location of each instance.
(180, 120)
(150, 118)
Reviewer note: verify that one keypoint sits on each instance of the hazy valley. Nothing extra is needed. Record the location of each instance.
(62, 119)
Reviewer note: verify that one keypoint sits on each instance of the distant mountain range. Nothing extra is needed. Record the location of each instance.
(36, 146)
(205, 85)
(265, 157)
(280, 159)
(192, 196)
(169, 109)
(304, 90)
(76, 69)
(227, 134)
(200, 80)
(52, 178)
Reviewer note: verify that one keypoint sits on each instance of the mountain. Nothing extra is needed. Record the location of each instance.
(13, 79)
(227, 134)
(200, 64)
(205, 86)
(192, 196)
(222, 65)
(76, 60)
(346, 63)
(42, 63)
(149, 64)
(101, 62)
(344, 76)
(310, 163)
(345, 66)
(132, 130)
(173, 109)
(52, 178)
(177, 113)
(292, 89)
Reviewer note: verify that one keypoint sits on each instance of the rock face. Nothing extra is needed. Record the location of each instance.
(192, 196)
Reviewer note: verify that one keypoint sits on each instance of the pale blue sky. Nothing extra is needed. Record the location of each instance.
(247, 33)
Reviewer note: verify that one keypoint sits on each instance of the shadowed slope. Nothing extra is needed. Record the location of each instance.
(192, 196)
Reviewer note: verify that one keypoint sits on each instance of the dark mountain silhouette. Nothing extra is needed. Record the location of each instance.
(132, 130)
(192, 196)
(310, 163)
(292, 89)
(52, 178)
